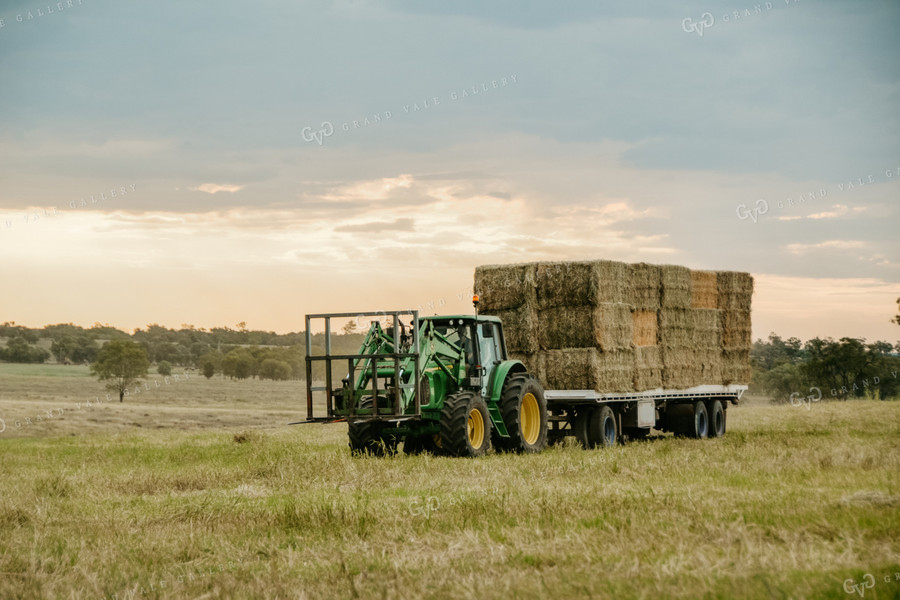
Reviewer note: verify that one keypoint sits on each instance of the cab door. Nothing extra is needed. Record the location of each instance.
(490, 353)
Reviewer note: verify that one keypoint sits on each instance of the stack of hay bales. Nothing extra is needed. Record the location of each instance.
(617, 327)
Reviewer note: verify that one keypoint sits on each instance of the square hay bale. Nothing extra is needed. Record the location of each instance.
(736, 367)
(735, 290)
(644, 290)
(705, 328)
(736, 329)
(644, 327)
(579, 283)
(704, 289)
(533, 362)
(696, 328)
(710, 361)
(589, 369)
(607, 326)
(648, 367)
(519, 328)
(675, 286)
(681, 367)
(675, 327)
(503, 287)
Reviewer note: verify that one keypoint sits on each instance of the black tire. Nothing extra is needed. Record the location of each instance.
(700, 427)
(524, 413)
(716, 419)
(597, 426)
(688, 420)
(367, 435)
(465, 425)
(421, 443)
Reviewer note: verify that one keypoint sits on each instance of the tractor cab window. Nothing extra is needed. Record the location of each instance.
(463, 335)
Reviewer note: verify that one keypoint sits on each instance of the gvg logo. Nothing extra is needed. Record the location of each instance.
(760, 208)
(860, 588)
(327, 129)
(706, 20)
(796, 400)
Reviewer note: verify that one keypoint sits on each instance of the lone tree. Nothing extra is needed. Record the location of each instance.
(120, 363)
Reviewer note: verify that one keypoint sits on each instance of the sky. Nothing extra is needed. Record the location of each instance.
(209, 163)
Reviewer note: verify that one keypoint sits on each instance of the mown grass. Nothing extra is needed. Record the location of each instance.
(790, 504)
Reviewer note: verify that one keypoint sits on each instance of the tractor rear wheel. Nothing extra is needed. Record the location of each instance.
(465, 425)
(597, 426)
(524, 413)
(367, 435)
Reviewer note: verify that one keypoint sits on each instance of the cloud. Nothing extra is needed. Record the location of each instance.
(373, 226)
(214, 188)
(829, 245)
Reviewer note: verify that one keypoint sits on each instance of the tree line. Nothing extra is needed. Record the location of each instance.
(839, 369)
(238, 353)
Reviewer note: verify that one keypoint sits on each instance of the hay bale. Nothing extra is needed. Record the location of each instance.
(519, 328)
(648, 367)
(704, 289)
(736, 367)
(589, 369)
(643, 293)
(503, 287)
(675, 328)
(735, 326)
(581, 283)
(710, 362)
(735, 290)
(696, 328)
(681, 368)
(675, 286)
(644, 327)
(533, 362)
(705, 328)
(607, 326)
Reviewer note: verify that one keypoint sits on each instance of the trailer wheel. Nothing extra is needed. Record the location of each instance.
(689, 420)
(367, 435)
(524, 413)
(701, 421)
(716, 419)
(465, 425)
(596, 426)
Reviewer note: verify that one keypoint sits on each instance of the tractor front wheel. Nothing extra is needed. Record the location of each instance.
(524, 413)
(465, 425)
(367, 435)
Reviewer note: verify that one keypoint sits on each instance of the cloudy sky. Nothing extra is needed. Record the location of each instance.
(217, 162)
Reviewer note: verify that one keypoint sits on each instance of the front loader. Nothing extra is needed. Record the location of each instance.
(442, 384)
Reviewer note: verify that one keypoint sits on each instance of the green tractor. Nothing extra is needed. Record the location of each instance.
(442, 384)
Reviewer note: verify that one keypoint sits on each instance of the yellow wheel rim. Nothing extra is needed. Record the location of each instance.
(437, 440)
(476, 428)
(530, 419)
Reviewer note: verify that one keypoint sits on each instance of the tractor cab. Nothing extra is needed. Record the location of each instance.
(481, 340)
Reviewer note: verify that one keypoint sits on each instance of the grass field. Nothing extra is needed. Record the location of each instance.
(199, 489)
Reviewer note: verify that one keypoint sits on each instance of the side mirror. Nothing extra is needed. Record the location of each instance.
(487, 330)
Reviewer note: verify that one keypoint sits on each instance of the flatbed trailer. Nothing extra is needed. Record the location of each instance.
(635, 414)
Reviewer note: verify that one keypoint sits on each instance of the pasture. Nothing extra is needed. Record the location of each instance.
(200, 489)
